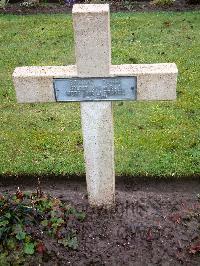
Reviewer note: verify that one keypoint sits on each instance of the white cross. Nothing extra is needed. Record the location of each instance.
(93, 59)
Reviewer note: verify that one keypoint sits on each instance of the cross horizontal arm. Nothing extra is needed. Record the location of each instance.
(154, 81)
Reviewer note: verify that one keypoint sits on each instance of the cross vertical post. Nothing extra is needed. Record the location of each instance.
(93, 59)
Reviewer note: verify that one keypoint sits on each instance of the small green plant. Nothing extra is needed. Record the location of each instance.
(3, 3)
(163, 2)
(27, 218)
(128, 4)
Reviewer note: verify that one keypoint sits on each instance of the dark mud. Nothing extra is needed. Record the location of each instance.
(115, 6)
(154, 222)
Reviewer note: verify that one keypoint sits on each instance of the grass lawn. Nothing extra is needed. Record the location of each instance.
(151, 138)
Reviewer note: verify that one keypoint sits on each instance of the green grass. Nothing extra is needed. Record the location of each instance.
(151, 138)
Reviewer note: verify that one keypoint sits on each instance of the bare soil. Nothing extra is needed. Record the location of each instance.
(154, 222)
(14, 7)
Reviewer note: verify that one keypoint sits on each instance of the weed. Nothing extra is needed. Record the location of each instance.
(25, 217)
(3, 3)
(163, 2)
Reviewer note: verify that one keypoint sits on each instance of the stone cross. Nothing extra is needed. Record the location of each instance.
(91, 24)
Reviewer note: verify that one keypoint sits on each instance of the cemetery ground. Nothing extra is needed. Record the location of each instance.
(156, 216)
(52, 7)
(152, 223)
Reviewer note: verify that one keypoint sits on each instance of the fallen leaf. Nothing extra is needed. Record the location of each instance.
(194, 248)
(40, 248)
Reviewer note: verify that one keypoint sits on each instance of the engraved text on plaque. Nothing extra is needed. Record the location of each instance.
(95, 89)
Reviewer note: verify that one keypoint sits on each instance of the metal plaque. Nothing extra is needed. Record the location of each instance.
(95, 89)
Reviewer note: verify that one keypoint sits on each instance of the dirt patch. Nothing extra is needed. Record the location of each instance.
(152, 222)
(115, 6)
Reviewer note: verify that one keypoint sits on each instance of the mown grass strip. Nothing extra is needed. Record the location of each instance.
(151, 138)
